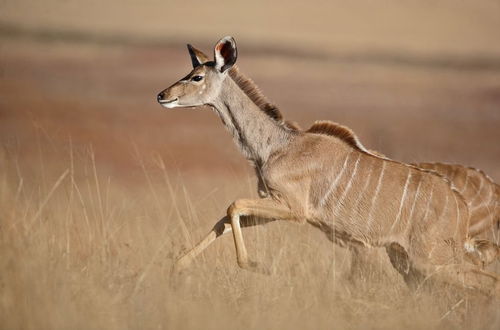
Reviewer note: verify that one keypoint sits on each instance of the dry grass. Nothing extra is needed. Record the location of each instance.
(81, 251)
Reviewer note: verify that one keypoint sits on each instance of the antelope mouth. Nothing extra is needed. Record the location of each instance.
(169, 103)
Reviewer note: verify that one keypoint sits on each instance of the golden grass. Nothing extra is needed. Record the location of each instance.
(82, 250)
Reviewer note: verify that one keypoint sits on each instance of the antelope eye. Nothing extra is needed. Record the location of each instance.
(197, 78)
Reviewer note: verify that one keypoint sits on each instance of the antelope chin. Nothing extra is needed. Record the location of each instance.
(170, 104)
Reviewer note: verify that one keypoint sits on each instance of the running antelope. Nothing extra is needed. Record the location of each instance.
(328, 181)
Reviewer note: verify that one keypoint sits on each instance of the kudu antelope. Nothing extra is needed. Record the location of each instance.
(328, 181)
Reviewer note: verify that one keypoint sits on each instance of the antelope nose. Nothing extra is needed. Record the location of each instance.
(160, 96)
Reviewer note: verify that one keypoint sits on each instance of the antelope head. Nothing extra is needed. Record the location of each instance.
(204, 83)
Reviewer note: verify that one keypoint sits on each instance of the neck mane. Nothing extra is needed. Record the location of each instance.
(255, 95)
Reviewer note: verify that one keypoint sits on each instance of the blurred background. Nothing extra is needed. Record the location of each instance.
(101, 187)
(417, 80)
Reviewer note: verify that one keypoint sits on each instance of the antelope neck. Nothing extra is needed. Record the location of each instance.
(255, 133)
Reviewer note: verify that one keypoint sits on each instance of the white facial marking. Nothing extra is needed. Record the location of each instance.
(203, 87)
(170, 104)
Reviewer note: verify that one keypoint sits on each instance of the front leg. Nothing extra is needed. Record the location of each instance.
(222, 227)
(262, 208)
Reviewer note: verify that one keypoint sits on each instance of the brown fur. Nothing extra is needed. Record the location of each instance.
(478, 189)
(485, 210)
(344, 133)
(330, 128)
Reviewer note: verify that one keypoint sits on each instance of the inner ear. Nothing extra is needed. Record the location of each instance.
(225, 53)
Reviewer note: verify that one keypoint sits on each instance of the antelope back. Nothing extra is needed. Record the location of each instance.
(480, 193)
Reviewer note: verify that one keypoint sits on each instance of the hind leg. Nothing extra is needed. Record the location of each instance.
(401, 262)
(444, 261)
(461, 275)
(418, 271)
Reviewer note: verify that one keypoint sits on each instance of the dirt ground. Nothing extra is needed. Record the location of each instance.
(101, 188)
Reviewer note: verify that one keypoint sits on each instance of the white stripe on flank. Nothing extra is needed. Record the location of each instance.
(335, 182)
(465, 184)
(428, 204)
(457, 219)
(348, 187)
(484, 200)
(489, 219)
(444, 209)
(403, 197)
(478, 192)
(363, 190)
(375, 195)
(414, 200)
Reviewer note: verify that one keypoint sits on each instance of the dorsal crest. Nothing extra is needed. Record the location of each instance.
(331, 128)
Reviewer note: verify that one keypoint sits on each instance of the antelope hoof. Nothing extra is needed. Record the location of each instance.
(254, 267)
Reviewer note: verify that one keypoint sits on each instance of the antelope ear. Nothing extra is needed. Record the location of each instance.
(225, 54)
(197, 56)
